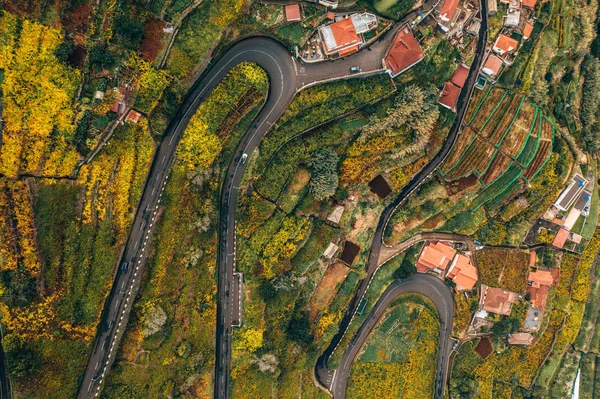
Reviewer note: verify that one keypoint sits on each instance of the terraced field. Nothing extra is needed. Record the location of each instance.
(475, 159)
(504, 143)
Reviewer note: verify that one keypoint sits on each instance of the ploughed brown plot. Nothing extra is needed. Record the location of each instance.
(546, 133)
(486, 112)
(349, 253)
(540, 158)
(476, 159)
(478, 96)
(462, 142)
(499, 165)
(519, 130)
(484, 348)
(327, 288)
(495, 131)
(380, 187)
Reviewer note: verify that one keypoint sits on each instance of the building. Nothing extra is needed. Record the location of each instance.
(435, 256)
(512, 17)
(492, 7)
(505, 44)
(520, 338)
(568, 196)
(460, 76)
(292, 13)
(330, 251)
(404, 53)
(448, 10)
(345, 36)
(496, 300)
(561, 238)
(122, 96)
(527, 29)
(329, 3)
(492, 66)
(449, 96)
(133, 116)
(528, 3)
(336, 215)
(463, 273)
(538, 286)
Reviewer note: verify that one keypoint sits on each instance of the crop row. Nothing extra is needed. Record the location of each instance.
(476, 159)
(498, 166)
(463, 142)
(488, 108)
(540, 158)
(515, 137)
(498, 186)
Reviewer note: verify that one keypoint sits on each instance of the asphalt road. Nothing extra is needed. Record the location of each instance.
(424, 284)
(325, 376)
(286, 78)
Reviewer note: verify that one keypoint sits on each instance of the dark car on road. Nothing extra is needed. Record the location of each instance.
(124, 267)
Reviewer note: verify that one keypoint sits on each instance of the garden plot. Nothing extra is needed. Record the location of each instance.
(476, 100)
(496, 130)
(540, 158)
(463, 141)
(547, 129)
(488, 109)
(327, 288)
(498, 186)
(515, 137)
(531, 144)
(497, 167)
(475, 159)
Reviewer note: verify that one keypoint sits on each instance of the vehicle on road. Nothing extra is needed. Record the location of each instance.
(355, 69)
(243, 159)
(124, 267)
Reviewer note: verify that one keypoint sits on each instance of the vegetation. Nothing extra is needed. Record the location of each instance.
(398, 360)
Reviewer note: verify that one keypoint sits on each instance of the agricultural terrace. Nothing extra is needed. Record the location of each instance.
(504, 144)
(398, 359)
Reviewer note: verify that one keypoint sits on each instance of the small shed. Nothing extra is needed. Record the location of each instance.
(292, 13)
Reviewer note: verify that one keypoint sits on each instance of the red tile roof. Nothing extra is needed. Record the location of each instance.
(405, 52)
(292, 12)
(330, 15)
(463, 273)
(435, 255)
(538, 296)
(348, 50)
(449, 95)
(344, 32)
(448, 9)
(527, 30)
(529, 3)
(493, 64)
(561, 238)
(532, 257)
(460, 75)
(505, 43)
(541, 277)
(133, 116)
(520, 338)
(496, 300)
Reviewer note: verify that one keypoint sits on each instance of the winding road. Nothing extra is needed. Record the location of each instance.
(328, 378)
(423, 284)
(286, 78)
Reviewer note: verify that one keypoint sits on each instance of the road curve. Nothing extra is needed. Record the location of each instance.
(423, 284)
(278, 64)
(324, 375)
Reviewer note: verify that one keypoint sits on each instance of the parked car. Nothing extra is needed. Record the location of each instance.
(355, 69)
(243, 159)
(124, 267)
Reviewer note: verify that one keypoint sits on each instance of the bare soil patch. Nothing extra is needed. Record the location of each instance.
(327, 288)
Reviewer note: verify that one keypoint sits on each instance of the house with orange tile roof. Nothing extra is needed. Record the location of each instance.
(528, 3)
(448, 10)
(449, 96)
(463, 273)
(292, 13)
(460, 75)
(133, 116)
(496, 300)
(520, 338)
(561, 238)
(404, 53)
(435, 256)
(527, 29)
(505, 44)
(345, 36)
(539, 283)
(492, 66)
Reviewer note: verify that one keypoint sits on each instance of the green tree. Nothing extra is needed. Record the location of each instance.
(21, 359)
(129, 31)
(101, 57)
(324, 179)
